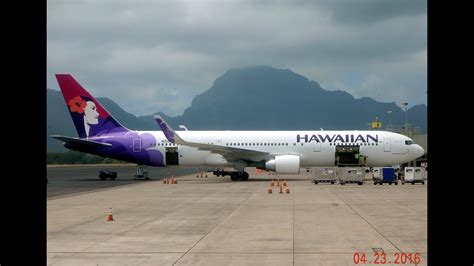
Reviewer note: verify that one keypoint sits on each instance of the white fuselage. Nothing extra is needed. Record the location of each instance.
(315, 148)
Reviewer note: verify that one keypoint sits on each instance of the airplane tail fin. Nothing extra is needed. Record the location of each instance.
(89, 116)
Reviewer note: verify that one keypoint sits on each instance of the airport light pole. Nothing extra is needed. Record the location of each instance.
(389, 112)
(406, 113)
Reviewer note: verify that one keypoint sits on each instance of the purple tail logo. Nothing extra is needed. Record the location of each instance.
(90, 118)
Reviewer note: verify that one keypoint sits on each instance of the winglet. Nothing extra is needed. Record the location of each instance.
(169, 132)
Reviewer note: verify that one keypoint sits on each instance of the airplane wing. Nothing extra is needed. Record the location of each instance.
(230, 153)
(83, 142)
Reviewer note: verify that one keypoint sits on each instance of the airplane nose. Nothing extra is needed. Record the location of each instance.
(418, 150)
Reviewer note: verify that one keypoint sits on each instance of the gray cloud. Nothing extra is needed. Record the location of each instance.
(157, 55)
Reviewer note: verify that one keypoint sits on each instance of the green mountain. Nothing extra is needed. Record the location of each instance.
(254, 98)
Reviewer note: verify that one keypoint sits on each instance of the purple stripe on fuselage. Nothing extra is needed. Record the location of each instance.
(123, 148)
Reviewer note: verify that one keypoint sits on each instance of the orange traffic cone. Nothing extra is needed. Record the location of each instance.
(272, 184)
(174, 180)
(284, 183)
(287, 190)
(164, 180)
(270, 190)
(281, 189)
(110, 217)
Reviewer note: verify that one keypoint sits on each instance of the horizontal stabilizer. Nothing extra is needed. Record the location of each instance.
(79, 141)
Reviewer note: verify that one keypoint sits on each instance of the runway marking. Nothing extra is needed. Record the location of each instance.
(371, 225)
(99, 190)
(223, 220)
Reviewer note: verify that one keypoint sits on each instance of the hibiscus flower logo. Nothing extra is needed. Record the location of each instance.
(77, 104)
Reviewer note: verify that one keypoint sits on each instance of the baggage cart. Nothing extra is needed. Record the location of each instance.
(324, 175)
(351, 175)
(385, 175)
(414, 175)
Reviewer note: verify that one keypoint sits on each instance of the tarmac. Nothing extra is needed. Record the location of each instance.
(72, 179)
(215, 221)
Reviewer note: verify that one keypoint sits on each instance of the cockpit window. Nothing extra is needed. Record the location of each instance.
(409, 142)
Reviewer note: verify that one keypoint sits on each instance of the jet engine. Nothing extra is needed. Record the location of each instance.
(284, 164)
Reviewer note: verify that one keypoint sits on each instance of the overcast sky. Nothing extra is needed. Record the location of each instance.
(151, 56)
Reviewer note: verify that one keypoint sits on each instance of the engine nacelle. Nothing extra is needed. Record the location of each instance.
(284, 164)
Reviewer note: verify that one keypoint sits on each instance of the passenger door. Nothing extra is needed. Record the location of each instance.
(137, 145)
(316, 146)
(386, 145)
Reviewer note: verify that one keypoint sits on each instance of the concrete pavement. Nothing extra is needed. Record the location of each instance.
(214, 221)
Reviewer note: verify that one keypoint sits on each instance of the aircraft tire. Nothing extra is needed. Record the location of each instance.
(234, 177)
(244, 176)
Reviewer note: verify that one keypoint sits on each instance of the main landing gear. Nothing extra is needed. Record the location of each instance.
(244, 176)
(234, 175)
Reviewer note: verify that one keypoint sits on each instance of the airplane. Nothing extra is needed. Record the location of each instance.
(283, 152)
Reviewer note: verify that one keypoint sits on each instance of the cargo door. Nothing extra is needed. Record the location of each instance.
(386, 145)
(316, 146)
(172, 156)
(137, 145)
